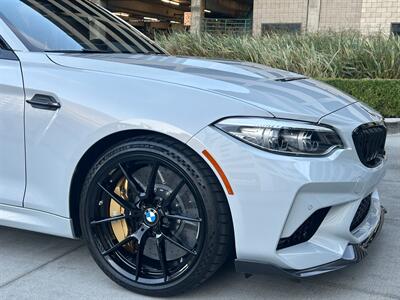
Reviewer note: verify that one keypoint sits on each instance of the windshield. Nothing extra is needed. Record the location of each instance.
(72, 26)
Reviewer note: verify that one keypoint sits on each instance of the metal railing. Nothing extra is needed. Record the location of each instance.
(232, 26)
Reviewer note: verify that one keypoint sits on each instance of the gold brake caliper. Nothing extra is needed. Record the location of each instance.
(120, 227)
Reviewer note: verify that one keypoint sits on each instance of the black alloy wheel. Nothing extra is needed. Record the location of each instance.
(155, 217)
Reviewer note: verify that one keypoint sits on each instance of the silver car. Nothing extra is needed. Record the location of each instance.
(170, 166)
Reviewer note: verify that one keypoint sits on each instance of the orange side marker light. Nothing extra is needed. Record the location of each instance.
(221, 173)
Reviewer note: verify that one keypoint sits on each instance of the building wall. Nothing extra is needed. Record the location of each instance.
(367, 16)
(279, 11)
(377, 15)
(340, 15)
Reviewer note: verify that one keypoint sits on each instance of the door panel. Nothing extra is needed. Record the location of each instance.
(12, 145)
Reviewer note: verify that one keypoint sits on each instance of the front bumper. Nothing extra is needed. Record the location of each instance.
(353, 254)
(275, 195)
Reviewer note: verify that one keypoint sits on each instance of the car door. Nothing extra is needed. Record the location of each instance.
(12, 144)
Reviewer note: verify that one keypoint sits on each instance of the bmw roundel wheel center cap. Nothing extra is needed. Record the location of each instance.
(151, 217)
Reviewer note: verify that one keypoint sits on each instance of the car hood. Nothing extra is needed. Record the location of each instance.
(281, 93)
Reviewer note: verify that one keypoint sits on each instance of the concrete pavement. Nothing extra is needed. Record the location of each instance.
(35, 266)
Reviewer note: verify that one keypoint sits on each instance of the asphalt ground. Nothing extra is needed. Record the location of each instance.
(36, 266)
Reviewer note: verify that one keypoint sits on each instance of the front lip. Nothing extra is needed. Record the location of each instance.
(353, 254)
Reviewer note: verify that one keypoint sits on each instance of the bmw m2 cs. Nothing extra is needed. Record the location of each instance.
(168, 166)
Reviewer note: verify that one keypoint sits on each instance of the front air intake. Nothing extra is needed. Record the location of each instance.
(306, 231)
(361, 213)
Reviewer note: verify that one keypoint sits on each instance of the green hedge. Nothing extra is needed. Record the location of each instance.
(383, 95)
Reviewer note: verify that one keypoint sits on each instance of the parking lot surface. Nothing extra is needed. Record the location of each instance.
(35, 266)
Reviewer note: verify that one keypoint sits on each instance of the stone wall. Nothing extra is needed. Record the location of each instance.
(377, 15)
(367, 16)
(339, 15)
(279, 11)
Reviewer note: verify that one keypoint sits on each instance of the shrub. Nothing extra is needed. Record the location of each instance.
(322, 55)
(383, 95)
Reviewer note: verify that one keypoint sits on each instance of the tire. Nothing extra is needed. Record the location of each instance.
(175, 216)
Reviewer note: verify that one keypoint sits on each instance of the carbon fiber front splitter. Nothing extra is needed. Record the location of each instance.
(353, 254)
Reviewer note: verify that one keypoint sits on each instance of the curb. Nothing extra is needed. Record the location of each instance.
(393, 125)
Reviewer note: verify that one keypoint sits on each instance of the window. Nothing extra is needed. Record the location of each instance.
(71, 26)
(5, 51)
(3, 44)
(396, 29)
(281, 27)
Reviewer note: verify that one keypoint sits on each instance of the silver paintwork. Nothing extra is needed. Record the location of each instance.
(253, 84)
(35, 220)
(180, 97)
(12, 147)
(95, 105)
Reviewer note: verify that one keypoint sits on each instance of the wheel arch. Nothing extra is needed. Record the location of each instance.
(86, 162)
(90, 157)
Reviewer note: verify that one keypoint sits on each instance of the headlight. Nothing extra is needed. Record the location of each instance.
(283, 136)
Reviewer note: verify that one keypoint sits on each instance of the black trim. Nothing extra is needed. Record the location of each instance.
(369, 140)
(8, 55)
(5, 51)
(352, 255)
(306, 231)
(293, 78)
(44, 102)
(361, 212)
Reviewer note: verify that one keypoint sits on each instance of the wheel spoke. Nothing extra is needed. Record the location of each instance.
(141, 236)
(117, 246)
(139, 255)
(138, 235)
(183, 218)
(152, 180)
(162, 255)
(179, 245)
(173, 194)
(108, 220)
(122, 202)
(131, 180)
